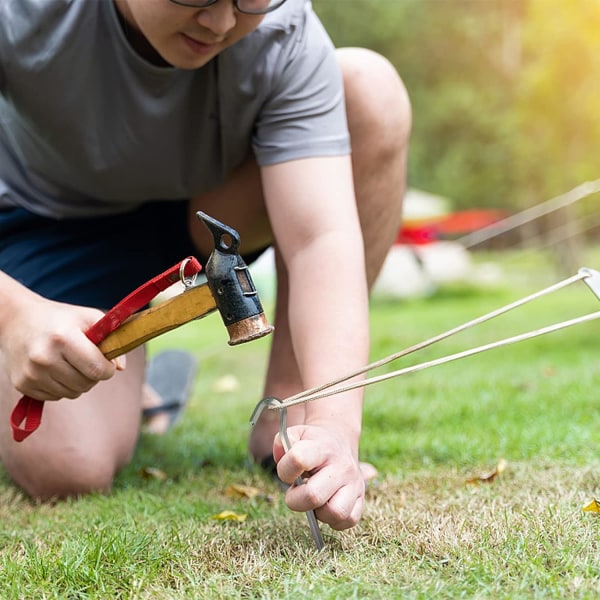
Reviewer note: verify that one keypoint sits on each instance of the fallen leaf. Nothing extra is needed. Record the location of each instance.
(593, 507)
(153, 473)
(489, 477)
(229, 515)
(237, 490)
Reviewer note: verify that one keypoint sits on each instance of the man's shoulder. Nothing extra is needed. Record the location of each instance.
(26, 13)
(22, 20)
(286, 18)
(281, 35)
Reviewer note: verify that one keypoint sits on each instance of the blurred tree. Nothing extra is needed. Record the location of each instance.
(558, 98)
(504, 92)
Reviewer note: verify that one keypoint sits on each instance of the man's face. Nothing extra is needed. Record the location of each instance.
(186, 37)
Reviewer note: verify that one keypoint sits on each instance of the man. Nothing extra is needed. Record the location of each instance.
(118, 121)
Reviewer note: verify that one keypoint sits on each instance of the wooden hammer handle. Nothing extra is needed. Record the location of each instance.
(192, 304)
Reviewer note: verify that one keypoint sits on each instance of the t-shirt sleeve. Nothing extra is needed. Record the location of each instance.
(3, 25)
(304, 114)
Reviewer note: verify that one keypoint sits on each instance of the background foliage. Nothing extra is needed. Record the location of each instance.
(504, 92)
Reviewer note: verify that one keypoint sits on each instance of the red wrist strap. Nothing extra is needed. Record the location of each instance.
(27, 414)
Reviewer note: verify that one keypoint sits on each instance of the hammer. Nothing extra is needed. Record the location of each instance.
(228, 289)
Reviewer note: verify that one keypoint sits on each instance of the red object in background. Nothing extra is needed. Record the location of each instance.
(456, 223)
(417, 235)
(467, 221)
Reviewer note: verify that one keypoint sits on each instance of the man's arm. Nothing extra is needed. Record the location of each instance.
(314, 218)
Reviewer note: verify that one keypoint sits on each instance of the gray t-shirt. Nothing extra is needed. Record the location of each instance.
(88, 127)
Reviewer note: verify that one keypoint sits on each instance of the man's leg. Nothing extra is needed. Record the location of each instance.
(81, 443)
(379, 120)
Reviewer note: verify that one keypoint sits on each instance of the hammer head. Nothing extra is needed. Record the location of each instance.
(232, 287)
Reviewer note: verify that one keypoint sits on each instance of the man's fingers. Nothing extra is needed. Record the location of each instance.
(320, 489)
(304, 457)
(333, 483)
(344, 509)
(66, 378)
(91, 368)
(120, 362)
(51, 388)
(339, 507)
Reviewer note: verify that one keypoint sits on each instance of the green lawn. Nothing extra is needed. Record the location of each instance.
(426, 532)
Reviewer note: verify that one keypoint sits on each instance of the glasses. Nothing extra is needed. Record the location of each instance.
(247, 7)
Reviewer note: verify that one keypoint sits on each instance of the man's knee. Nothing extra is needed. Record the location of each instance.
(377, 102)
(71, 466)
(62, 473)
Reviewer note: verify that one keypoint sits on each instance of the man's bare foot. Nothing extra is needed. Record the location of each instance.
(154, 420)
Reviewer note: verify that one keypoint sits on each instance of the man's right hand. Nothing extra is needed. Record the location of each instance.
(46, 352)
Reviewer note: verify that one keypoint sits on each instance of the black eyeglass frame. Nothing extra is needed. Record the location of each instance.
(207, 3)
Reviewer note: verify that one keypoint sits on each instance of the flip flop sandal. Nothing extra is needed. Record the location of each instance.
(170, 374)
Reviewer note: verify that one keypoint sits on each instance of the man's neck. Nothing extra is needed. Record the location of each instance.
(136, 38)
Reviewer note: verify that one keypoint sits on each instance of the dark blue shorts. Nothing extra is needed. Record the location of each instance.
(94, 261)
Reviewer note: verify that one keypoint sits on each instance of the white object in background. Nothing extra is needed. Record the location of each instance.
(410, 271)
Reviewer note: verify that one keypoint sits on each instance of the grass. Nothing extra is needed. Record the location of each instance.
(426, 532)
